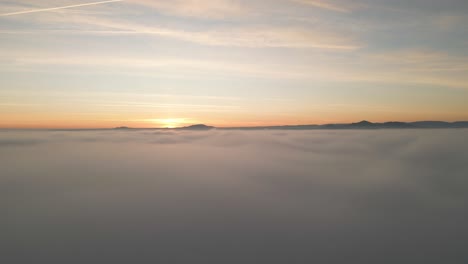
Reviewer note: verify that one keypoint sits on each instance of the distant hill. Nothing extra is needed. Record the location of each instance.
(369, 125)
(460, 124)
(197, 127)
(359, 125)
(363, 124)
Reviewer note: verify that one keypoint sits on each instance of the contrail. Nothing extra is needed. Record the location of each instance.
(58, 8)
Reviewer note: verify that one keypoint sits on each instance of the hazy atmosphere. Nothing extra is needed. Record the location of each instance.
(385, 196)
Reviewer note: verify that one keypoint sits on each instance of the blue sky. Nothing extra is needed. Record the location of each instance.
(70, 63)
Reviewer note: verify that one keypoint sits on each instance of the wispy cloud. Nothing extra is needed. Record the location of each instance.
(216, 9)
(398, 67)
(413, 68)
(325, 5)
(258, 35)
(250, 37)
(422, 60)
(57, 8)
(449, 22)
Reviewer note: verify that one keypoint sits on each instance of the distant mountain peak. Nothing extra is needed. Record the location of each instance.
(197, 127)
(364, 122)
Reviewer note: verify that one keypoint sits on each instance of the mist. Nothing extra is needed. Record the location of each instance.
(218, 196)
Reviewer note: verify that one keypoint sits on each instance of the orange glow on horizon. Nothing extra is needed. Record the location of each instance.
(110, 119)
(44, 122)
(169, 122)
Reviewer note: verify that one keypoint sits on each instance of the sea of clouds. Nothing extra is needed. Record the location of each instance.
(221, 196)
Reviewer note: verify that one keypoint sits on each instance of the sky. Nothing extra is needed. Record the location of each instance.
(233, 196)
(141, 63)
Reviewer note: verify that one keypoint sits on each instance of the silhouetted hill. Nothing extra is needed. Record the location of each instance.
(396, 125)
(363, 125)
(369, 125)
(359, 125)
(197, 127)
(460, 124)
(431, 124)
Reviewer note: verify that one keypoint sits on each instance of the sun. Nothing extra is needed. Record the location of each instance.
(169, 122)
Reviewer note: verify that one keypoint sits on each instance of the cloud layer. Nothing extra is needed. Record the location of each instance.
(146, 196)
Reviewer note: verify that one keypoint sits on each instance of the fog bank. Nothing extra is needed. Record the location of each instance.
(144, 196)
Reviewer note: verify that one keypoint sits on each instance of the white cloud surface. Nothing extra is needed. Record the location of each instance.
(146, 196)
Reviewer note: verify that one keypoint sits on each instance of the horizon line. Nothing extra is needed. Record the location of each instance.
(229, 127)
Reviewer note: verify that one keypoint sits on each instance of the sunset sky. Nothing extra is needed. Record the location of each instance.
(149, 63)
